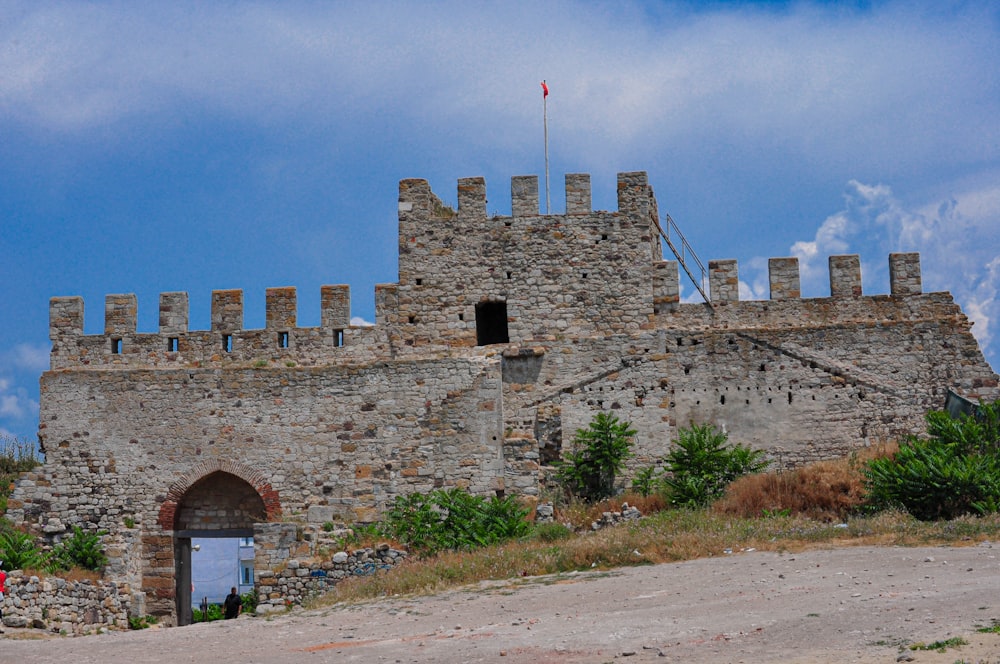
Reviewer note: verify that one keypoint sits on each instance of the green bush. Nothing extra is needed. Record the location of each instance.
(214, 613)
(598, 455)
(453, 519)
(645, 483)
(701, 465)
(18, 550)
(249, 601)
(955, 471)
(81, 549)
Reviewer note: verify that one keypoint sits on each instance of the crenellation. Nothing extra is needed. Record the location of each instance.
(845, 276)
(65, 317)
(335, 304)
(472, 198)
(280, 308)
(502, 336)
(578, 195)
(173, 313)
(783, 275)
(904, 274)
(120, 313)
(666, 286)
(524, 195)
(724, 280)
(634, 194)
(227, 311)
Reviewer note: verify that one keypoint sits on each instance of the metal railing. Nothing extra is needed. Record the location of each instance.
(685, 255)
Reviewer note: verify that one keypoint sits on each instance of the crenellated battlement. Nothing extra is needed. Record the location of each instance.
(467, 279)
(226, 341)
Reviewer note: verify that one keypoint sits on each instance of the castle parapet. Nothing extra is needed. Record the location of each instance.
(472, 198)
(783, 276)
(280, 308)
(724, 280)
(65, 317)
(175, 345)
(578, 196)
(173, 313)
(845, 276)
(227, 310)
(904, 274)
(524, 195)
(120, 313)
(666, 286)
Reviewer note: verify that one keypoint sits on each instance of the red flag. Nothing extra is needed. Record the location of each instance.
(545, 90)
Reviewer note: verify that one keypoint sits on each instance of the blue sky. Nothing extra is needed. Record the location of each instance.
(149, 147)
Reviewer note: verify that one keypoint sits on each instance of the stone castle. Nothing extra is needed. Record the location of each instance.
(503, 335)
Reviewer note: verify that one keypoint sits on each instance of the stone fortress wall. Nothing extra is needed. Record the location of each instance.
(503, 335)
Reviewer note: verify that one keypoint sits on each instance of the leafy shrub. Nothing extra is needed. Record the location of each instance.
(551, 532)
(645, 482)
(18, 550)
(701, 465)
(453, 519)
(214, 613)
(81, 549)
(598, 455)
(955, 471)
(141, 622)
(249, 601)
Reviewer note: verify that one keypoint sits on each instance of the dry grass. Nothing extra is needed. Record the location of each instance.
(75, 574)
(826, 490)
(663, 537)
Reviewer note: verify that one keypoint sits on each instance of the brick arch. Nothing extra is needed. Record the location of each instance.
(168, 510)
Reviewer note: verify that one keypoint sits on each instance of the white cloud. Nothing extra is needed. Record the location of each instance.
(358, 321)
(32, 357)
(827, 84)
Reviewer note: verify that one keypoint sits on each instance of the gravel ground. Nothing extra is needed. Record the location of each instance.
(852, 604)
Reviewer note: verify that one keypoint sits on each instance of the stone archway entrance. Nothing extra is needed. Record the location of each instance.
(221, 502)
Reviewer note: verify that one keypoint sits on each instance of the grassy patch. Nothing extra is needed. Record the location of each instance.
(667, 536)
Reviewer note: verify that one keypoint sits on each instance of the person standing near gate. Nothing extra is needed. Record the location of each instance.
(233, 605)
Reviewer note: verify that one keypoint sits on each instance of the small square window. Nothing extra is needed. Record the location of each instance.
(116, 346)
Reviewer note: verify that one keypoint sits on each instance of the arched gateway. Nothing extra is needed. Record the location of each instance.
(217, 499)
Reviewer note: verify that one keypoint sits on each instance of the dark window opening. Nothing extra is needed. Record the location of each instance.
(722, 400)
(227, 343)
(461, 317)
(509, 274)
(282, 339)
(604, 236)
(491, 323)
(116, 346)
(420, 282)
(338, 338)
(411, 319)
(789, 397)
(584, 275)
(172, 345)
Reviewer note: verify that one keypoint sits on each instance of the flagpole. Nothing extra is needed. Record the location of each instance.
(545, 124)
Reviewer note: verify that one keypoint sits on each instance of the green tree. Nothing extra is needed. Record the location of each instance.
(598, 456)
(702, 464)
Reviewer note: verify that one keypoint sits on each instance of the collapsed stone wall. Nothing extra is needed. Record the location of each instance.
(69, 607)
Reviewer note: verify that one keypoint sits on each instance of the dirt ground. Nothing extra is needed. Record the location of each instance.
(853, 604)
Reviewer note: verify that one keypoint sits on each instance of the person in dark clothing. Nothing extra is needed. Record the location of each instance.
(233, 605)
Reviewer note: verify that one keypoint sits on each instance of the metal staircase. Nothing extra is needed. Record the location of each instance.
(685, 255)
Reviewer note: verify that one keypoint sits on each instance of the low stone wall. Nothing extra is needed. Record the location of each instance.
(298, 580)
(69, 607)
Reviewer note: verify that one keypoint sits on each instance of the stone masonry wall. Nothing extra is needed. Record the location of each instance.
(70, 607)
(503, 335)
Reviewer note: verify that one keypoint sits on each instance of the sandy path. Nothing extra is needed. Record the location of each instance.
(854, 604)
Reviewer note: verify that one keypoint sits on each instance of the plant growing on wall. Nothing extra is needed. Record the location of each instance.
(598, 456)
(81, 549)
(702, 464)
